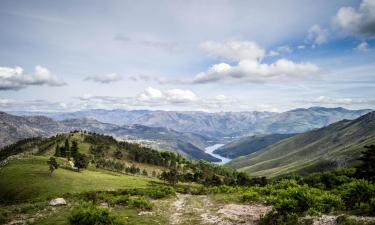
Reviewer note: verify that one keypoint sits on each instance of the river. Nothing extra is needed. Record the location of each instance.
(211, 148)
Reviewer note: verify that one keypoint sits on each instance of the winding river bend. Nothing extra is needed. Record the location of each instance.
(211, 148)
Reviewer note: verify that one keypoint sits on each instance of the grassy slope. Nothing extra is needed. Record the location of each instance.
(248, 145)
(28, 178)
(336, 145)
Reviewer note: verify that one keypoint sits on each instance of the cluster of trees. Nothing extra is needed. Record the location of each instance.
(209, 174)
(119, 166)
(72, 151)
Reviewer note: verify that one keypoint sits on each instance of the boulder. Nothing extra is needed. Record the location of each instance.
(57, 201)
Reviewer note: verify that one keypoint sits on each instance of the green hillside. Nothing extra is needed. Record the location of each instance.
(248, 145)
(336, 145)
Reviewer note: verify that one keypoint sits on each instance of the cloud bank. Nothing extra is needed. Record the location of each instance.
(16, 79)
(250, 67)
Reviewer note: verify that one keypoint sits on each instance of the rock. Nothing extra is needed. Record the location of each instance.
(57, 201)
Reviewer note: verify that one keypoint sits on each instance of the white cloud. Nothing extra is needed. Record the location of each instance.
(317, 35)
(15, 78)
(152, 97)
(105, 78)
(362, 47)
(273, 53)
(358, 22)
(180, 96)
(234, 50)
(323, 100)
(249, 66)
(285, 49)
(301, 46)
(150, 94)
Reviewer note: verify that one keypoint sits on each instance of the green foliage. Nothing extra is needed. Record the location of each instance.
(88, 214)
(52, 164)
(358, 195)
(346, 220)
(81, 161)
(74, 149)
(250, 196)
(367, 167)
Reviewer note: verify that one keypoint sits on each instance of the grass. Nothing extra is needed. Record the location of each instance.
(29, 179)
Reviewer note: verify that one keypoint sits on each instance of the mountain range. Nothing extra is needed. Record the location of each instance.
(336, 145)
(220, 125)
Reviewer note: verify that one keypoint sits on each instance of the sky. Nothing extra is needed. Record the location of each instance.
(212, 55)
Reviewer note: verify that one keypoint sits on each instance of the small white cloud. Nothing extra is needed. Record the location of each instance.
(362, 47)
(301, 46)
(234, 50)
(273, 53)
(316, 35)
(358, 22)
(180, 96)
(150, 94)
(105, 78)
(285, 49)
(15, 78)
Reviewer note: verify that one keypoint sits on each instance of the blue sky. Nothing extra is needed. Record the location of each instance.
(186, 55)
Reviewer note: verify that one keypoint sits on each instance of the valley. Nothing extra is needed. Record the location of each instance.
(134, 180)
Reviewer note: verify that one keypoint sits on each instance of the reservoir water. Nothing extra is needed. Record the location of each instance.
(211, 148)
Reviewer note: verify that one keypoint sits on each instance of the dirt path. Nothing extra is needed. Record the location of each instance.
(199, 209)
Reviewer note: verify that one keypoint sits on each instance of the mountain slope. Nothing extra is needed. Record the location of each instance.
(248, 145)
(14, 128)
(336, 145)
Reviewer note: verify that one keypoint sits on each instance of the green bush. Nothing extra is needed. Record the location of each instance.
(358, 195)
(140, 203)
(88, 214)
(346, 220)
(250, 196)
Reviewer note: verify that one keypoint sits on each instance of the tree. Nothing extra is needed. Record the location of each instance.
(367, 167)
(81, 161)
(144, 172)
(74, 149)
(170, 176)
(57, 151)
(67, 149)
(117, 154)
(52, 164)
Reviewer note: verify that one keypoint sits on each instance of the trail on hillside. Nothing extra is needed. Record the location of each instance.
(199, 209)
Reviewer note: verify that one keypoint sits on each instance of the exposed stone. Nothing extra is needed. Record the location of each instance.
(57, 201)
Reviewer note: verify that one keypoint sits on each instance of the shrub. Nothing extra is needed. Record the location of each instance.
(140, 203)
(357, 193)
(88, 214)
(250, 196)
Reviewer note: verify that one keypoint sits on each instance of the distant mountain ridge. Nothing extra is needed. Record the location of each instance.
(218, 125)
(14, 128)
(336, 145)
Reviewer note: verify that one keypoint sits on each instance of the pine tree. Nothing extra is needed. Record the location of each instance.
(367, 168)
(74, 149)
(52, 164)
(67, 149)
(57, 151)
